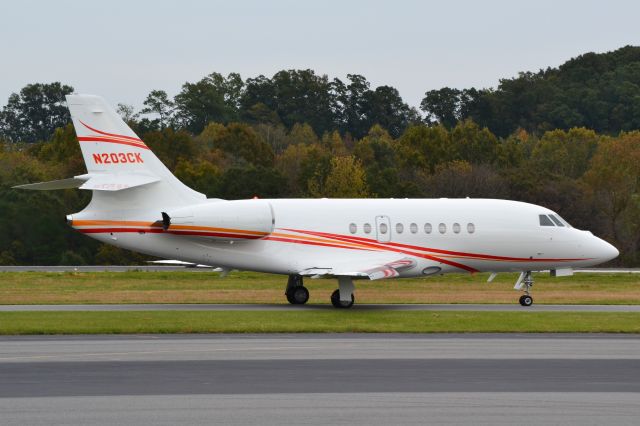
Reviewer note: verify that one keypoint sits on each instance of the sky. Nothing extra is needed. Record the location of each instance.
(124, 49)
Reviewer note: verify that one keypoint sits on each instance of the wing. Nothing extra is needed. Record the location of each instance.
(171, 262)
(374, 271)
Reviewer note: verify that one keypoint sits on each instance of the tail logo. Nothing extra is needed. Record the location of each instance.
(114, 138)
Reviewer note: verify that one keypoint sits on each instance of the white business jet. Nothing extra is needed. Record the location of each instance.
(138, 204)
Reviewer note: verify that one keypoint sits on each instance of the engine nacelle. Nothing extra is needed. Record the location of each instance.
(222, 220)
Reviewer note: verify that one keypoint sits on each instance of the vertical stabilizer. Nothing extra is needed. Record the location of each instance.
(111, 150)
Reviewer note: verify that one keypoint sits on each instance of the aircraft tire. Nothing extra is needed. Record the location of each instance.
(526, 300)
(298, 295)
(337, 303)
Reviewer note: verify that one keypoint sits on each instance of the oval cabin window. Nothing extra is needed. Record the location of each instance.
(456, 228)
(471, 228)
(399, 228)
(367, 228)
(427, 228)
(383, 228)
(442, 228)
(353, 228)
(414, 228)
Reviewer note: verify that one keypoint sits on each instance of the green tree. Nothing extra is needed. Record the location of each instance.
(240, 143)
(33, 114)
(460, 179)
(346, 179)
(377, 154)
(212, 99)
(296, 96)
(614, 180)
(442, 105)
(302, 133)
(423, 148)
(64, 150)
(159, 104)
(171, 146)
(200, 175)
(473, 144)
(252, 181)
(566, 153)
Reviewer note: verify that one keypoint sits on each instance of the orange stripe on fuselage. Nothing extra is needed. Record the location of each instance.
(290, 237)
(181, 229)
(449, 253)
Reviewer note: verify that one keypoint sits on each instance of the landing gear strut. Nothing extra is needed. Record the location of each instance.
(525, 282)
(343, 296)
(296, 292)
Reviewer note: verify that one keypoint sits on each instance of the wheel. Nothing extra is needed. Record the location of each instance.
(526, 300)
(298, 295)
(337, 303)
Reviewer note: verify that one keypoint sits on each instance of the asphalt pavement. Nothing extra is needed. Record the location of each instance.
(326, 379)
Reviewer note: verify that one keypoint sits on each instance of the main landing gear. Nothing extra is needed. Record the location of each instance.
(525, 282)
(297, 293)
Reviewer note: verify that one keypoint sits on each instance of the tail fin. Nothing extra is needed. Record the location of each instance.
(117, 158)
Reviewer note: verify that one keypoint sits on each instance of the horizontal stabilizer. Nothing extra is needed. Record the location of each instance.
(117, 182)
(53, 184)
(95, 182)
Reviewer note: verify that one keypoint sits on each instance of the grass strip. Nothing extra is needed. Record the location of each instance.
(85, 322)
(251, 287)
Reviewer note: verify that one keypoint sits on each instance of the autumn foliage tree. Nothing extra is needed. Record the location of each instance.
(566, 138)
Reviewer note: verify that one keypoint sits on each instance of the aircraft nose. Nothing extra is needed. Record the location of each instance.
(606, 251)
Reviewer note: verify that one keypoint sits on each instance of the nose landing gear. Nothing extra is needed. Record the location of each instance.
(525, 282)
(526, 300)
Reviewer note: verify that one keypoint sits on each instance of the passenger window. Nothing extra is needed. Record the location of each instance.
(456, 228)
(545, 221)
(427, 228)
(414, 228)
(556, 220)
(367, 228)
(442, 228)
(353, 228)
(471, 228)
(399, 228)
(383, 228)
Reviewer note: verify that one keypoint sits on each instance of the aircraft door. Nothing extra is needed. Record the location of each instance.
(383, 229)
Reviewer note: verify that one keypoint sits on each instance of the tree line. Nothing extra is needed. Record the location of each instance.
(299, 134)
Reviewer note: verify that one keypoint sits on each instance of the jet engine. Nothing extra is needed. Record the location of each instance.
(222, 220)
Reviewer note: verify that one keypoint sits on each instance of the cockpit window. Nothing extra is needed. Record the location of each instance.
(556, 220)
(567, 224)
(545, 221)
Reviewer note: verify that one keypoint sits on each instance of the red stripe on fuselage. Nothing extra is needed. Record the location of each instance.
(439, 251)
(386, 247)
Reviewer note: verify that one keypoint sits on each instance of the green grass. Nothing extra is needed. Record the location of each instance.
(248, 287)
(341, 321)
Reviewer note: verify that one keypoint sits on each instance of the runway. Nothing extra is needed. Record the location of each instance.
(320, 379)
(311, 307)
